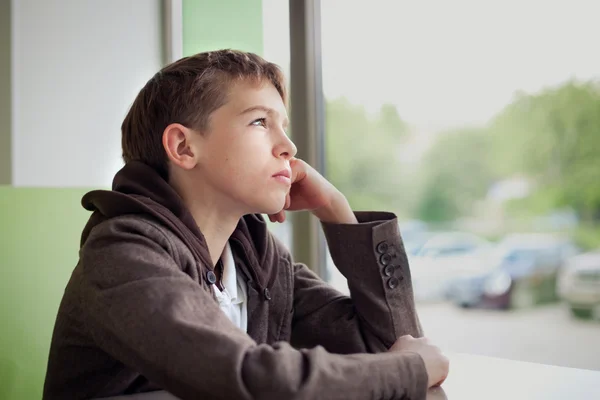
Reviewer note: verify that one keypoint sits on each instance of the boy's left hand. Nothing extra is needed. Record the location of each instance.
(310, 191)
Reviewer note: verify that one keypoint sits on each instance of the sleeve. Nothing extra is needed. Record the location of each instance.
(144, 311)
(381, 306)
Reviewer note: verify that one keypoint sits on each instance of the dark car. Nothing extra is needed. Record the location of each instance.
(522, 271)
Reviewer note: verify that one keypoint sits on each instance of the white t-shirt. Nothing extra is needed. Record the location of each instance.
(233, 299)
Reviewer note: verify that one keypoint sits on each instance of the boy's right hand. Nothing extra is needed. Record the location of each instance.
(436, 363)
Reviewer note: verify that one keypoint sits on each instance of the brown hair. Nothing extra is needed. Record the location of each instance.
(187, 92)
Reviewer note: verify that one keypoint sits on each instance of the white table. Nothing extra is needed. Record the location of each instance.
(477, 377)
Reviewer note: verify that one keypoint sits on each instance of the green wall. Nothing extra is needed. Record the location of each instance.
(219, 24)
(39, 241)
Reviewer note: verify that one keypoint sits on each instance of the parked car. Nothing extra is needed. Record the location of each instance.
(520, 272)
(579, 285)
(412, 226)
(443, 257)
(414, 242)
(448, 244)
(414, 234)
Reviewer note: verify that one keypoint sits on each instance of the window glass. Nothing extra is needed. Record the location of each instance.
(483, 119)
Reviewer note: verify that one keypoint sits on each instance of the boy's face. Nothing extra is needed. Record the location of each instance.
(245, 147)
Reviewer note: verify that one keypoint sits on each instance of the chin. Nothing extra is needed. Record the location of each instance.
(271, 210)
(263, 200)
(272, 207)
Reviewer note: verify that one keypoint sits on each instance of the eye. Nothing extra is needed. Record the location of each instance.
(260, 122)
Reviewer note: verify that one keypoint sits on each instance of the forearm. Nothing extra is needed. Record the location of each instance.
(282, 372)
(338, 211)
(372, 257)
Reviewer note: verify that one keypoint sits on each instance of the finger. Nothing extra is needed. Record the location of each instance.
(275, 217)
(279, 217)
(298, 171)
(441, 382)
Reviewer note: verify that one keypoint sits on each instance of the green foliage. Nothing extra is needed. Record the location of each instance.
(554, 137)
(551, 137)
(587, 237)
(362, 153)
(457, 173)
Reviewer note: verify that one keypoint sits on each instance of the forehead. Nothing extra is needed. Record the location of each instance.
(243, 95)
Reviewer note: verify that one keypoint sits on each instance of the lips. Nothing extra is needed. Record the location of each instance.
(284, 173)
(284, 177)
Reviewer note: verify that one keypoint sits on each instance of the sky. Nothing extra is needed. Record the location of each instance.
(445, 64)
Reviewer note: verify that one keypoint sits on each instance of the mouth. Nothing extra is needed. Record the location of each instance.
(284, 176)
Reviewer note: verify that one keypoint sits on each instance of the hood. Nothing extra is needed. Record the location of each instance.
(138, 189)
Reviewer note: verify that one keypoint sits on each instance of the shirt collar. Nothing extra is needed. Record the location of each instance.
(229, 273)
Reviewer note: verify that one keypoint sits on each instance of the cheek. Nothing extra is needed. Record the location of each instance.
(242, 170)
(248, 158)
(242, 167)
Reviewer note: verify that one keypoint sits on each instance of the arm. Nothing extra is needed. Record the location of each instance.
(381, 308)
(145, 312)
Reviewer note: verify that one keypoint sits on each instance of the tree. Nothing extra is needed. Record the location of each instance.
(554, 137)
(457, 173)
(362, 154)
(390, 125)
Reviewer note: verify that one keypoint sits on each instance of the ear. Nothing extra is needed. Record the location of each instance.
(182, 150)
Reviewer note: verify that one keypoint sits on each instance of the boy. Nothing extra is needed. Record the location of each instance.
(180, 286)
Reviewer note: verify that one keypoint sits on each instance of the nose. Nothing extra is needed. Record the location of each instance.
(285, 148)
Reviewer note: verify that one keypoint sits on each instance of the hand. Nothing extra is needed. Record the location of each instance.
(436, 363)
(312, 192)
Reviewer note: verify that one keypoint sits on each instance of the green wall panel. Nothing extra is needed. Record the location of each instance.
(39, 242)
(219, 24)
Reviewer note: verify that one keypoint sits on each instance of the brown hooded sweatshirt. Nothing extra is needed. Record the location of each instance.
(139, 315)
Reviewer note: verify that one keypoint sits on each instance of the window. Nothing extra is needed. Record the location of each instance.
(476, 118)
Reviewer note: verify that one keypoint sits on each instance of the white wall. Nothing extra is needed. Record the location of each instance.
(276, 33)
(5, 95)
(77, 67)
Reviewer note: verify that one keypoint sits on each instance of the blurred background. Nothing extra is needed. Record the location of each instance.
(476, 122)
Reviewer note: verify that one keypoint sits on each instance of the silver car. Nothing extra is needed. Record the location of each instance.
(579, 285)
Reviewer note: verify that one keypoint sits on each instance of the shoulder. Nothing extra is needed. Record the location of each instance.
(134, 235)
(129, 226)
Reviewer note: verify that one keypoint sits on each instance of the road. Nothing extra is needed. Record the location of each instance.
(546, 334)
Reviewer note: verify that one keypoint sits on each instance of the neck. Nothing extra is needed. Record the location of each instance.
(217, 227)
(213, 215)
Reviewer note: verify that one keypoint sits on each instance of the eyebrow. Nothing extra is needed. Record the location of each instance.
(268, 110)
(258, 108)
